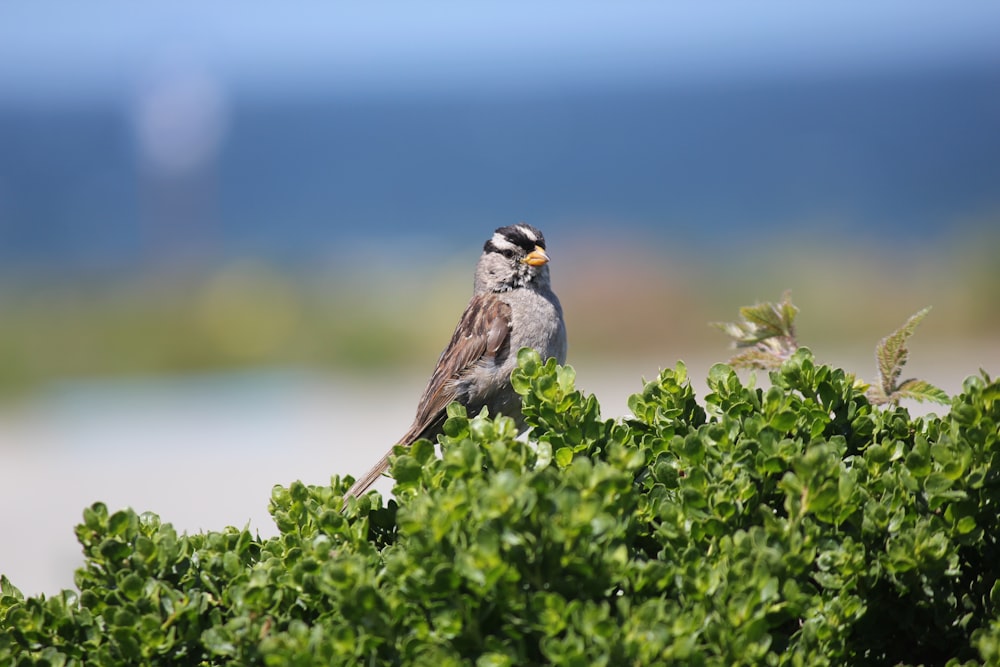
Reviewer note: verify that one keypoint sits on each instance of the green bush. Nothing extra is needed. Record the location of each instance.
(796, 524)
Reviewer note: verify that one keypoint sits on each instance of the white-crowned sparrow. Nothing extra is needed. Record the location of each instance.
(512, 306)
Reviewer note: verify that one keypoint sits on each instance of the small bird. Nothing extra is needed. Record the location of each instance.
(512, 306)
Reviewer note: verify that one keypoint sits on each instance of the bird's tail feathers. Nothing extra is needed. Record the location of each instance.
(365, 481)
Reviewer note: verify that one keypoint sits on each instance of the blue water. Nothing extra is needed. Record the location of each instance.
(911, 153)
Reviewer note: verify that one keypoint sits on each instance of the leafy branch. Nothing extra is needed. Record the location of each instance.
(766, 334)
(798, 525)
(891, 355)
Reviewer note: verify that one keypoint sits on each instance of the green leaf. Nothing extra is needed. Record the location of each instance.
(922, 391)
(892, 353)
(132, 586)
(456, 410)
(767, 330)
(494, 660)
(564, 456)
(528, 360)
(120, 522)
(937, 482)
(422, 450)
(784, 421)
(95, 516)
(114, 550)
(965, 525)
(7, 589)
(772, 319)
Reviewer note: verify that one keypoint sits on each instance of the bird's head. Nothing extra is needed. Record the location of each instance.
(512, 258)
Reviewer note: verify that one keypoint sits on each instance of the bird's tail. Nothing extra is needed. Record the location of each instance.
(365, 481)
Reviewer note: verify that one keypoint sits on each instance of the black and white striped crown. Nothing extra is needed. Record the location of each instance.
(520, 236)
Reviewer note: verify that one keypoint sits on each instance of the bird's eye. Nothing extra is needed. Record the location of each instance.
(507, 252)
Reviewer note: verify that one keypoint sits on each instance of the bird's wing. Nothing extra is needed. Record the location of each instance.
(482, 332)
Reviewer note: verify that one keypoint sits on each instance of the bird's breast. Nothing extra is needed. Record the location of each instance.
(537, 322)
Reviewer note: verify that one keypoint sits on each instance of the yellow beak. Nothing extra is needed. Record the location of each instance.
(536, 257)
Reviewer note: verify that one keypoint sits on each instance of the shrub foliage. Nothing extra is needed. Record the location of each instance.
(795, 524)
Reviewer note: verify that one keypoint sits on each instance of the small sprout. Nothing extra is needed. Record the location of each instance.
(766, 336)
(891, 355)
(766, 333)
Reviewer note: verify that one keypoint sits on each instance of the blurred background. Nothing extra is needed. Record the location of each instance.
(233, 239)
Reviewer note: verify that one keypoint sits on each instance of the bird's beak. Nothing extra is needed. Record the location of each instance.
(536, 257)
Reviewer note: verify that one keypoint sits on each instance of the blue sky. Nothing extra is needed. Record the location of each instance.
(68, 49)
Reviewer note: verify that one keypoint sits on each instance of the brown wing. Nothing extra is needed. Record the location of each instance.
(481, 334)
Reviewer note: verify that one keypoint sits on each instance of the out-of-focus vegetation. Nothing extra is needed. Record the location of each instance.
(765, 337)
(632, 299)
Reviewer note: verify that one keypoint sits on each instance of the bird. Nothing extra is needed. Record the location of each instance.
(512, 307)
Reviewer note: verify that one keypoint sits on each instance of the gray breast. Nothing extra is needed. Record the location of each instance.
(537, 322)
